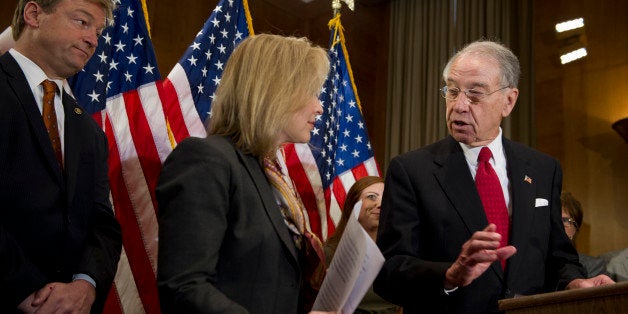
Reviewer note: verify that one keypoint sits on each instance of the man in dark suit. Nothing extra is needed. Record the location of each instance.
(59, 240)
(443, 255)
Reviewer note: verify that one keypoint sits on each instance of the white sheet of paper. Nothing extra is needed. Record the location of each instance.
(356, 263)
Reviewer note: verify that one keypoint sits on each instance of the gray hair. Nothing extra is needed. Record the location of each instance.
(508, 62)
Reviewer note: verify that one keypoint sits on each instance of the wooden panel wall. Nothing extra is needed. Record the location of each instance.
(6, 13)
(575, 106)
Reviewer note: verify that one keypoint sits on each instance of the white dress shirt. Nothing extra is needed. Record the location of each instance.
(35, 75)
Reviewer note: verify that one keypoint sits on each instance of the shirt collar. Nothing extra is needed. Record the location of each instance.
(33, 73)
(496, 146)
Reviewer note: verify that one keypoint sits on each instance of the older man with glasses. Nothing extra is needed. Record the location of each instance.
(454, 213)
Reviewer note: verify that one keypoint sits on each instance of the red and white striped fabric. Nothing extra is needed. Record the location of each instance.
(122, 89)
(324, 206)
(139, 144)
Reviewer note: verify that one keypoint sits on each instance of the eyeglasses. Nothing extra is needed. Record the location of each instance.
(568, 222)
(474, 96)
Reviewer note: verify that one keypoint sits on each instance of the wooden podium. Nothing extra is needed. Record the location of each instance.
(602, 299)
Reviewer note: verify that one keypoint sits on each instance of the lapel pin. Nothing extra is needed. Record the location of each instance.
(527, 179)
(78, 110)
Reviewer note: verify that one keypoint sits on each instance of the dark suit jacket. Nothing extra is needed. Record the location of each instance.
(53, 223)
(431, 207)
(223, 244)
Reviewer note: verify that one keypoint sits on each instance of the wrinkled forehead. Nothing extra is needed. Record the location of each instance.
(476, 68)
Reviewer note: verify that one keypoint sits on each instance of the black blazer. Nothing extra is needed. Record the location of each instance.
(223, 244)
(431, 207)
(53, 223)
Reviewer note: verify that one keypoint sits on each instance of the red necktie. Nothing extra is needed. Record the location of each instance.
(50, 118)
(492, 196)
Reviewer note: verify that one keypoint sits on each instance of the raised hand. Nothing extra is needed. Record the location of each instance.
(477, 255)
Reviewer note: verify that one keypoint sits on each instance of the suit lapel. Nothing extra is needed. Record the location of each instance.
(270, 204)
(457, 183)
(522, 193)
(17, 81)
(72, 142)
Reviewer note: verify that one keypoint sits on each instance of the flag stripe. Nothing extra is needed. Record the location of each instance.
(303, 186)
(128, 294)
(139, 233)
(179, 81)
(308, 162)
(358, 172)
(372, 167)
(134, 179)
(338, 190)
(153, 111)
(172, 110)
(143, 149)
(112, 303)
(334, 211)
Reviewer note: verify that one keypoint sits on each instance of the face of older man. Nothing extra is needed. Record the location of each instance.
(481, 101)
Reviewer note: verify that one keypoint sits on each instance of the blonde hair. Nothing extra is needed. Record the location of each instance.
(266, 79)
(48, 6)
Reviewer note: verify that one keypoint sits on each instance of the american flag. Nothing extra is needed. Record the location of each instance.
(144, 118)
(197, 74)
(188, 91)
(121, 88)
(339, 152)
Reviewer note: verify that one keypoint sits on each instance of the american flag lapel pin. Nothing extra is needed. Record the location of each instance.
(527, 179)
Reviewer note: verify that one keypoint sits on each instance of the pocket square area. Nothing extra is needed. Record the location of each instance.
(541, 202)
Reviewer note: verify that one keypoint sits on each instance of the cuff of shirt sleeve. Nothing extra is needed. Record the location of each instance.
(85, 277)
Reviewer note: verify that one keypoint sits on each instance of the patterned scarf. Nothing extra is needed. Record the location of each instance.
(310, 247)
(292, 207)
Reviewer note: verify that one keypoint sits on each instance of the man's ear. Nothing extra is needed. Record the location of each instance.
(32, 13)
(511, 99)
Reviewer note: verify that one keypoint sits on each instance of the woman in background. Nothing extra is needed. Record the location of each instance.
(232, 235)
(369, 190)
(572, 221)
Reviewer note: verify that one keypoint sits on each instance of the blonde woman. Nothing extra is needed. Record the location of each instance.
(232, 233)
